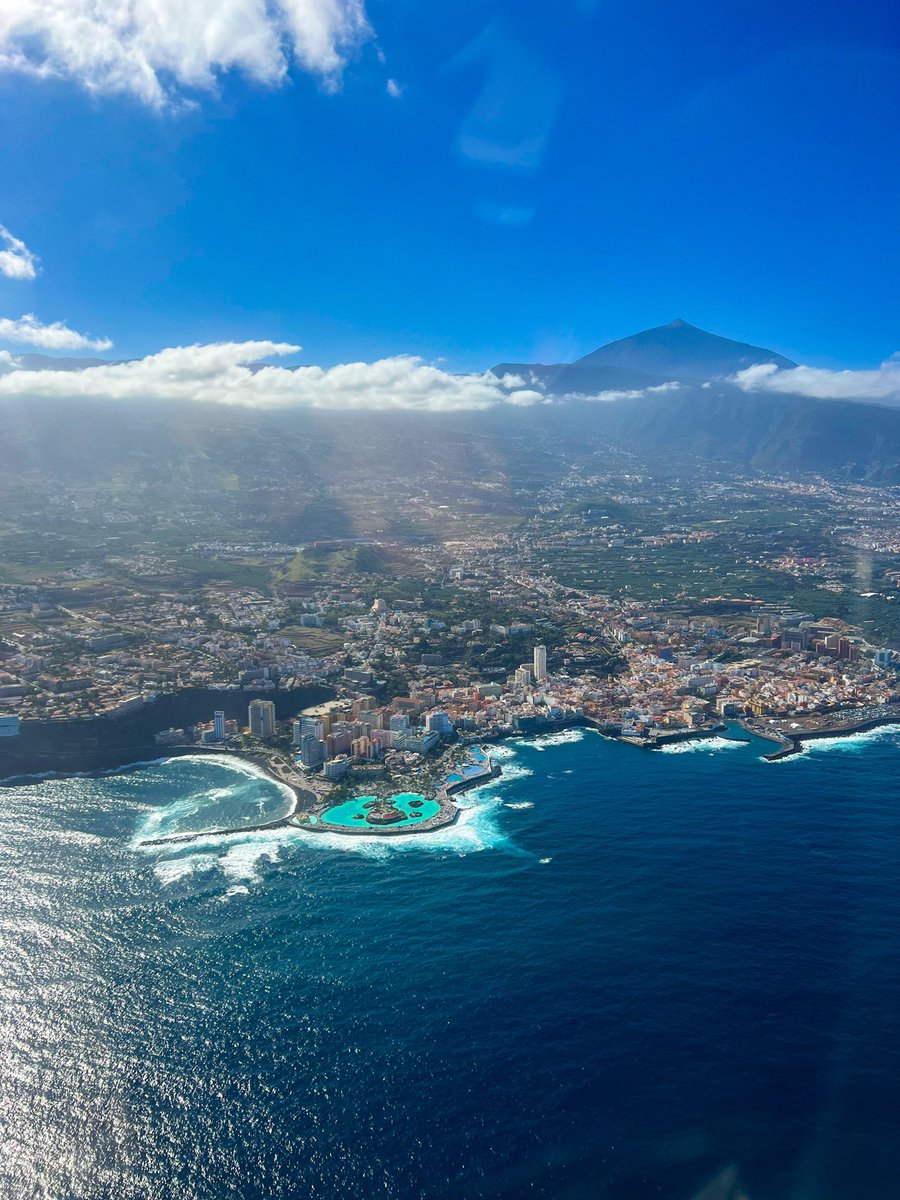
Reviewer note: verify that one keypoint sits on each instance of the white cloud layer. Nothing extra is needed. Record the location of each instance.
(28, 331)
(222, 374)
(16, 260)
(611, 396)
(154, 49)
(881, 386)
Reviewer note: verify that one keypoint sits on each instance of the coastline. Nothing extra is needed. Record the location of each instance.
(307, 806)
(791, 743)
(447, 814)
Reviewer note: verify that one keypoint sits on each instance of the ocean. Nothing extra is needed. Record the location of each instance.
(622, 974)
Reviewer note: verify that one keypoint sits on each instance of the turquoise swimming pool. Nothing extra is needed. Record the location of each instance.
(352, 813)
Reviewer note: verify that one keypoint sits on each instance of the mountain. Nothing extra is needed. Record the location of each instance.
(677, 351)
(47, 362)
(681, 351)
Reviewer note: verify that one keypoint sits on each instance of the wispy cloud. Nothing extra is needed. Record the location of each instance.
(16, 260)
(394, 89)
(880, 386)
(156, 50)
(611, 396)
(224, 373)
(28, 331)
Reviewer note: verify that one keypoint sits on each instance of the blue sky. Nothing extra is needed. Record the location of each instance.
(547, 178)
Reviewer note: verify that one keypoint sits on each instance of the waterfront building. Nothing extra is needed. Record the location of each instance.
(439, 722)
(540, 663)
(219, 725)
(337, 768)
(296, 732)
(261, 718)
(312, 751)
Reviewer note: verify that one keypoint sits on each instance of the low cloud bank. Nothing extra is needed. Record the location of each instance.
(880, 386)
(223, 373)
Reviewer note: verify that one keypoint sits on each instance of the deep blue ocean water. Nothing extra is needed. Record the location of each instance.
(622, 975)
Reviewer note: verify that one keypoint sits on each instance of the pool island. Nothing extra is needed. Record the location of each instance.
(401, 813)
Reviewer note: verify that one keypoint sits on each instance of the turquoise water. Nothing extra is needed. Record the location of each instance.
(620, 975)
(353, 812)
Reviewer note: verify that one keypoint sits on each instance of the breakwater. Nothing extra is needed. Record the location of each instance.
(790, 743)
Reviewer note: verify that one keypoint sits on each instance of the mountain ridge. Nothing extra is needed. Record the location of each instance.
(677, 351)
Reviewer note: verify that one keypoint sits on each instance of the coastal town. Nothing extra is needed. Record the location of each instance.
(480, 642)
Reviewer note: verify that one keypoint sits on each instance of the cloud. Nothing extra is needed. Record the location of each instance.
(880, 386)
(610, 397)
(29, 331)
(156, 49)
(16, 260)
(394, 89)
(230, 373)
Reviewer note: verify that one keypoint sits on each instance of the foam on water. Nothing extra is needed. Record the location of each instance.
(168, 820)
(706, 744)
(565, 737)
(502, 754)
(235, 856)
(854, 742)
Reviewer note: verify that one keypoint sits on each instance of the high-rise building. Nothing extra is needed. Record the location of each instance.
(523, 677)
(261, 718)
(312, 725)
(219, 725)
(439, 722)
(540, 663)
(312, 751)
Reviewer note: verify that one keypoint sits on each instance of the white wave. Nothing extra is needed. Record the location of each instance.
(233, 762)
(565, 737)
(501, 753)
(708, 744)
(173, 870)
(544, 861)
(236, 856)
(238, 889)
(519, 804)
(162, 821)
(475, 829)
(242, 858)
(851, 741)
(511, 773)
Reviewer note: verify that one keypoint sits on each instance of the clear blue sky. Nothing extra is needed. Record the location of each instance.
(549, 177)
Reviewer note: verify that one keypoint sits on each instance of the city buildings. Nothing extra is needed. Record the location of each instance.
(261, 718)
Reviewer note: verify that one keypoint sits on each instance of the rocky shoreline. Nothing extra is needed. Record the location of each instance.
(792, 742)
